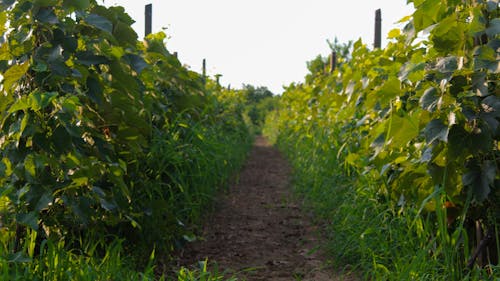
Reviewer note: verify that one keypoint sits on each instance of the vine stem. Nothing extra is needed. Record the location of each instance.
(480, 248)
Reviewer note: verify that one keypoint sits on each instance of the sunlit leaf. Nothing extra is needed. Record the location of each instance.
(40, 100)
(13, 74)
(430, 99)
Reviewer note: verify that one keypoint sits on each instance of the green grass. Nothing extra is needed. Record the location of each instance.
(367, 233)
(56, 262)
(196, 167)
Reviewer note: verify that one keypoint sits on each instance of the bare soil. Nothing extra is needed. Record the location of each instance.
(258, 231)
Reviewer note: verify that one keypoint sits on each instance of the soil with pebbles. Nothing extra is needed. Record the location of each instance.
(258, 230)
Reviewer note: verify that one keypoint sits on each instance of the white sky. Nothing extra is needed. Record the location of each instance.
(261, 42)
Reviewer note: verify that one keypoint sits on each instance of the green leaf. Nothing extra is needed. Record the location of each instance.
(21, 104)
(95, 90)
(125, 34)
(47, 15)
(29, 165)
(13, 74)
(88, 58)
(97, 190)
(99, 22)
(480, 179)
(70, 104)
(378, 143)
(403, 129)
(458, 142)
(485, 57)
(436, 130)
(45, 3)
(28, 219)
(18, 257)
(426, 14)
(491, 104)
(107, 205)
(430, 99)
(40, 100)
(61, 139)
(411, 71)
(44, 201)
(389, 90)
(3, 21)
(7, 3)
(447, 64)
(494, 28)
(136, 62)
(479, 84)
(447, 35)
(492, 5)
(458, 84)
(76, 4)
(394, 33)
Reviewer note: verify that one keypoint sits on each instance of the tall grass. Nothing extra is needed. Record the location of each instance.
(54, 262)
(187, 164)
(368, 234)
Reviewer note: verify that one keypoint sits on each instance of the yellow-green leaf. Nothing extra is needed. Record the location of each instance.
(13, 74)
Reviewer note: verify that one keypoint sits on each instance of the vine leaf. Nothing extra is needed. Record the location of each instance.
(447, 64)
(124, 34)
(47, 15)
(480, 84)
(429, 100)
(480, 179)
(40, 100)
(491, 111)
(99, 22)
(13, 74)
(404, 129)
(43, 201)
(88, 58)
(136, 62)
(28, 219)
(77, 4)
(494, 28)
(95, 90)
(436, 130)
(485, 57)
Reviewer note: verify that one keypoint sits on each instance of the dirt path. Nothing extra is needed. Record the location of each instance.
(258, 231)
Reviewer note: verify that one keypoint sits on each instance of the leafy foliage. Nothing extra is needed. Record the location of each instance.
(413, 120)
(101, 133)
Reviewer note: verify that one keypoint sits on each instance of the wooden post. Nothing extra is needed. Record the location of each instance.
(204, 70)
(378, 29)
(176, 55)
(149, 21)
(333, 61)
(217, 79)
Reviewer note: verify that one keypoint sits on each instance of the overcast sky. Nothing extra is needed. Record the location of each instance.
(261, 42)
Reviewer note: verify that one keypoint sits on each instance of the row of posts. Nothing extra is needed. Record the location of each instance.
(333, 57)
